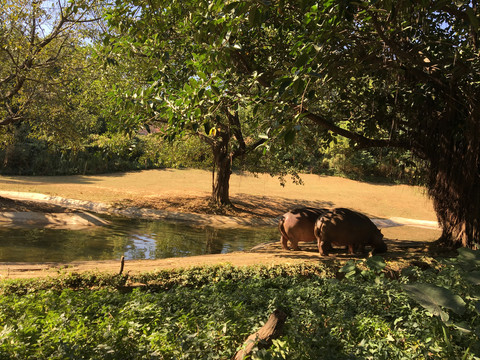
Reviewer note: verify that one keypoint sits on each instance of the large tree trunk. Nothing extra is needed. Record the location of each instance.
(454, 185)
(224, 153)
(454, 182)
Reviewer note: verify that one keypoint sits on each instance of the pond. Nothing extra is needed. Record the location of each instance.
(134, 239)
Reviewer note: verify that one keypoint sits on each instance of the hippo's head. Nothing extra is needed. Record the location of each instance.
(379, 245)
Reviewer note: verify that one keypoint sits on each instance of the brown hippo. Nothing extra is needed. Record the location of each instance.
(297, 225)
(345, 227)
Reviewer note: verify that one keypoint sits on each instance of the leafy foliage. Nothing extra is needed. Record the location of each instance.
(208, 312)
(101, 153)
(39, 56)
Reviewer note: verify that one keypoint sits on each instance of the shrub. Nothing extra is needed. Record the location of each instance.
(207, 313)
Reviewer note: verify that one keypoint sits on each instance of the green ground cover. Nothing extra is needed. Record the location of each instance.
(363, 311)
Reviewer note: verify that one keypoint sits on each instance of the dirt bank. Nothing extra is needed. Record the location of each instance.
(400, 254)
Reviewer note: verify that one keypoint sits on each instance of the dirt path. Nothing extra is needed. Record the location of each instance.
(257, 200)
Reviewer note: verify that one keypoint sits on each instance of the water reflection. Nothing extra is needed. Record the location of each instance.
(134, 239)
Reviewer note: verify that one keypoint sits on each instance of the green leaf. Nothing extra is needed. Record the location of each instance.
(348, 267)
(197, 113)
(302, 60)
(473, 277)
(298, 87)
(202, 75)
(462, 327)
(472, 18)
(254, 17)
(468, 254)
(283, 84)
(231, 6)
(215, 90)
(468, 259)
(376, 263)
(477, 307)
(433, 298)
(289, 137)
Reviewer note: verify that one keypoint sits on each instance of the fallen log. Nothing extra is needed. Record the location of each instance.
(264, 336)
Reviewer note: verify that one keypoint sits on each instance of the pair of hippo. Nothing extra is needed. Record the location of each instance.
(339, 227)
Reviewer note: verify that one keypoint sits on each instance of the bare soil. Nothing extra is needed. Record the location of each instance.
(10, 205)
(252, 196)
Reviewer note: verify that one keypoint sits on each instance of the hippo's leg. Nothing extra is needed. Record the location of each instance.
(323, 246)
(360, 248)
(379, 248)
(295, 245)
(284, 242)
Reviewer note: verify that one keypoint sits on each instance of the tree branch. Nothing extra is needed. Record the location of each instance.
(456, 12)
(10, 120)
(361, 140)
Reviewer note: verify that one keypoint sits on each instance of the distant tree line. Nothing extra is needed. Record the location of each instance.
(114, 152)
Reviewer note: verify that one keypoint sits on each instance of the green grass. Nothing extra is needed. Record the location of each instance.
(207, 313)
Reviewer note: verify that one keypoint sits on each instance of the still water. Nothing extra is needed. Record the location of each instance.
(134, 239)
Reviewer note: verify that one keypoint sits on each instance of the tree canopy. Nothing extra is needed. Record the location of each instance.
(40, 54)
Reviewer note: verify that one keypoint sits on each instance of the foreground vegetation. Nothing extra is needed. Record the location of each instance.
(362, 310)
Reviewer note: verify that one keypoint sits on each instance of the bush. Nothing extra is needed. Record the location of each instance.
(207, 313)
(102, 154)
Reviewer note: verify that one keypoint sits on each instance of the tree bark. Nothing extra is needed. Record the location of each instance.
(454, 181)
(271, 330)
(221, 184)
(224, 155)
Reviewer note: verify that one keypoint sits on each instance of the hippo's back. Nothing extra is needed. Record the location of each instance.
(344, 226)
(298, 223)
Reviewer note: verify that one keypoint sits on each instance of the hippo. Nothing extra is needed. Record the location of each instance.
(345, 227)
(297, 225)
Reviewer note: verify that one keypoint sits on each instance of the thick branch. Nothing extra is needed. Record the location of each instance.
(271, 330)
(361, 140)
(7, 79)
(210, 141)
(236, 128)
(10, 120)
(16, 88)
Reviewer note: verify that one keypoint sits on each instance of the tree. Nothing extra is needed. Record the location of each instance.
(182, 93)
(383, 75)
(38, 41)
